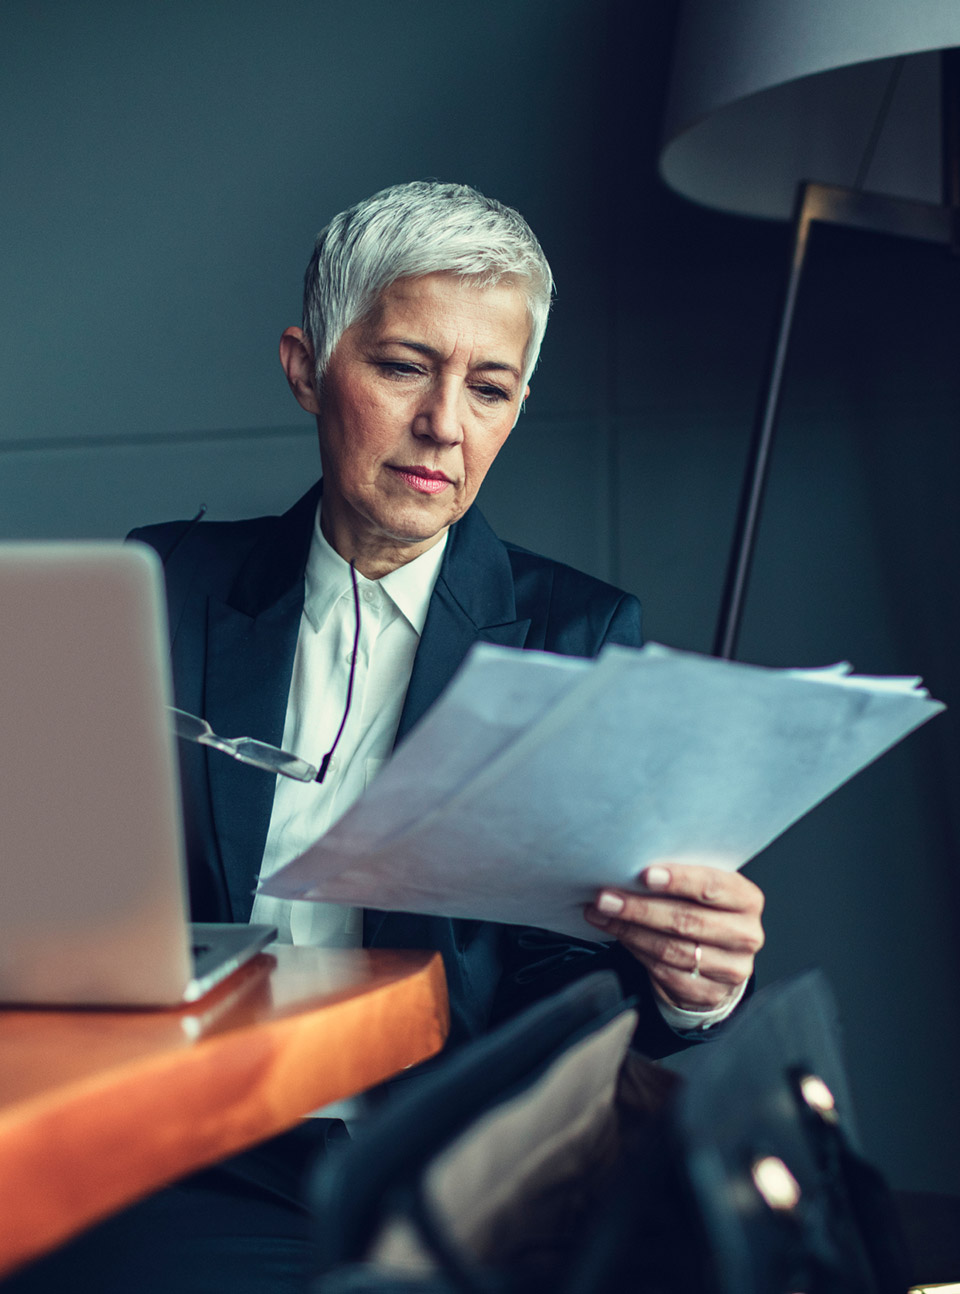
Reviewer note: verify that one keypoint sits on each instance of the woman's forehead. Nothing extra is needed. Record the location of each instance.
(443, 306)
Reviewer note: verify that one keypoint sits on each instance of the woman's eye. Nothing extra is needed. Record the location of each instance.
(492, 394)
(399, 368)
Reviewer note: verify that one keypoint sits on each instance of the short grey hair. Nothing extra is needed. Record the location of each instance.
(423, 227)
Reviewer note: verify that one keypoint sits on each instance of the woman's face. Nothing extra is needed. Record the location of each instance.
(416, 402)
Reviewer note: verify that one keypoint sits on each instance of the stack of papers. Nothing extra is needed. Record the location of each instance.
(536, 779)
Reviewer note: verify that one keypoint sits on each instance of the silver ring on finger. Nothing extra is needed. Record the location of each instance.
(697, 958)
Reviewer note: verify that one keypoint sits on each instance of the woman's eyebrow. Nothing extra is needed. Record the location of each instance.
(430, 352)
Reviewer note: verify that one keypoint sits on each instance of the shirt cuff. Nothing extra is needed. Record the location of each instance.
(683, 1021)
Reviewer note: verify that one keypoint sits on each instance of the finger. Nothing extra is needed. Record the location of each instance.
(710, 886)
(723, 966)
(678, 920)
(679, 958)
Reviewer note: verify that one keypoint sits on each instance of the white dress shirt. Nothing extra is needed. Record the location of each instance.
(392, 614)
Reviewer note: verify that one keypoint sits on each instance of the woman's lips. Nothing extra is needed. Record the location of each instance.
(422, 479)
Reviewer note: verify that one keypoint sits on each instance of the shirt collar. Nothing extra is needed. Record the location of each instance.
(409, 587)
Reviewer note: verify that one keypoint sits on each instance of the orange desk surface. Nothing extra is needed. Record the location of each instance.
(98, 1108)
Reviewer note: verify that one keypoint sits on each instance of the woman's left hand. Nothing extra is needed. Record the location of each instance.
(697, 930)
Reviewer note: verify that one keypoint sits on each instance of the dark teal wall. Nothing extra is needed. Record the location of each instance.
(164, 169)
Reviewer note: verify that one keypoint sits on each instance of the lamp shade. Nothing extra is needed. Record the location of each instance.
(768, 93)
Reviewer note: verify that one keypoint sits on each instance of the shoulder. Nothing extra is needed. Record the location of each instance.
(187, 547)
(537, 572)
(568, 602)
(210, 555)
(201, 561)
(568, 611)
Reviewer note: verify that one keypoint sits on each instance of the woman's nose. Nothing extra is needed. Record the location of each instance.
(440, 416)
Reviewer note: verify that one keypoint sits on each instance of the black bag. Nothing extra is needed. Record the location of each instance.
(550, 1156)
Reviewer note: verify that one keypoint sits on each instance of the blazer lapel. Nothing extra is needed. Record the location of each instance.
(448, 635)
(251, 643)
(473, 602)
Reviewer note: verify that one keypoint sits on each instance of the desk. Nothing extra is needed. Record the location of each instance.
(98, 1108)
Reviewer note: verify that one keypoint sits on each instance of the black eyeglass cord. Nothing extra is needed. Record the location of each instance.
(325, 762)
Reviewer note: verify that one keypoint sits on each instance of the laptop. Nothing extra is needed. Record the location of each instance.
(93, 894)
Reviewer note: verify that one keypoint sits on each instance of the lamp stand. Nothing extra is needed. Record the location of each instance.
(854, 209)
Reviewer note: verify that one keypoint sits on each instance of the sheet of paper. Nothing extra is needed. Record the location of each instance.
(484, 709)
(536, 779)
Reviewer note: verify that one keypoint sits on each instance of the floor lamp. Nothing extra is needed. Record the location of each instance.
(844, 112)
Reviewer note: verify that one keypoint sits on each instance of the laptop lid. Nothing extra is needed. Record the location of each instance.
(92, 878)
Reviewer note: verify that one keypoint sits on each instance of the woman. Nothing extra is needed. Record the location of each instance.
(425, 307)
(424, 312)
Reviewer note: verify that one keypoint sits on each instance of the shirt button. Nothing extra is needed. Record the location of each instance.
(369, 595)
(334, 764)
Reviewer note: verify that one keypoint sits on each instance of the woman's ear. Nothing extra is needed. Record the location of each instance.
(297, 359)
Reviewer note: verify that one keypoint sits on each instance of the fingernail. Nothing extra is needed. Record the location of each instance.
(596, 918)
(656, 878)
(610, 904)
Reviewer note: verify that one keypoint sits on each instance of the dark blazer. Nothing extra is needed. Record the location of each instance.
(235, 592)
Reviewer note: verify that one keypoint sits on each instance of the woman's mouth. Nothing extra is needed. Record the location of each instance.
(422, 479)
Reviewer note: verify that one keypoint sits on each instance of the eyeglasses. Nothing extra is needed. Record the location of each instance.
(259, 753)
